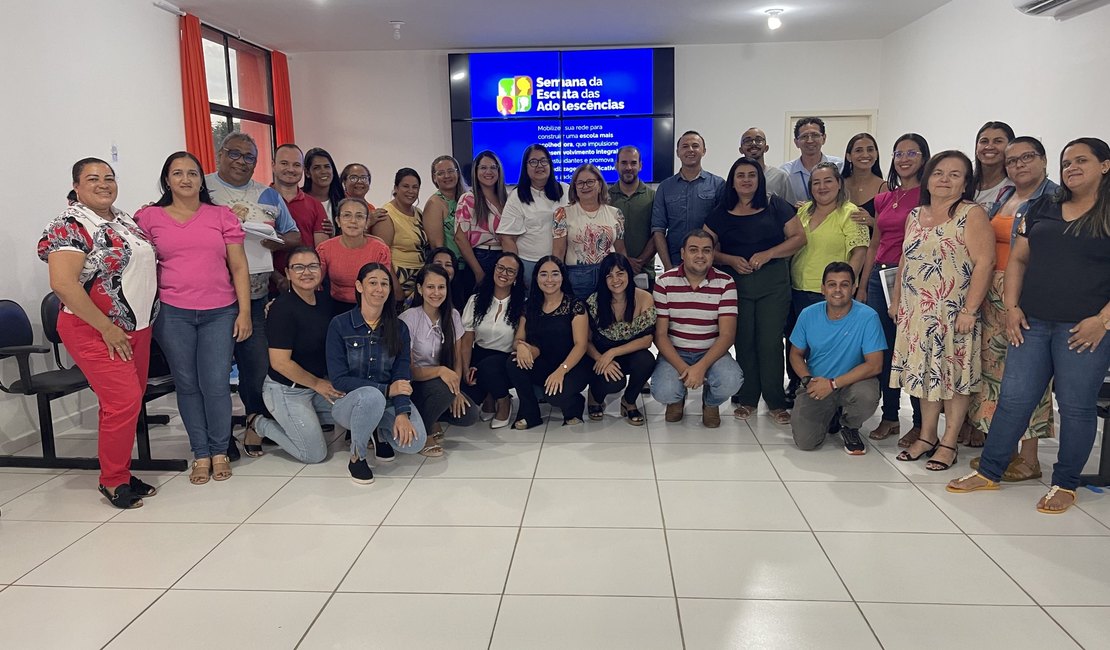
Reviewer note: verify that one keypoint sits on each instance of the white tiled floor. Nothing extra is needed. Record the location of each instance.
(597, 536)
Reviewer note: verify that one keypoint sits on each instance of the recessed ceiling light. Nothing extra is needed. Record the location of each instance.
(458, 76)
(773, 20)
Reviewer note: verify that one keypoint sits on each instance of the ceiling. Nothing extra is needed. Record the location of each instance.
(345, 25)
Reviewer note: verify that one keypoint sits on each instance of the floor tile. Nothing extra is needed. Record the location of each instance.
(461, 502)
(928, 627)
(590, 561)
(595, 460)
(27, 544)
(339, 456)
(917, 568)
(694, 462)
(729, 505)
(1095, 504)
(573, 503)
(484, 460)
(74, 619)
(277, 463)
(280, 557)
(612, 428)
(769, 433)
(749, 564)
(915, 470)
(404, 622)
(690, 431)
(830, 463)
(130, 555)
(14, 485)
(321, 500)
(239, 619)
(541, 623)
(874, 507)
(1054, 570)
(1010, 511)
(230, 501)
(67, 497)
(428, 559)
(760, 624)
(1090, 626)
(481, 432)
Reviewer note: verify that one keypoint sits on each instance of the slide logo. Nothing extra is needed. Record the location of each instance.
(514, 95)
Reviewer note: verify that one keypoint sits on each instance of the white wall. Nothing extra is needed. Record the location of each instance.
(972, 61)
(79, 76)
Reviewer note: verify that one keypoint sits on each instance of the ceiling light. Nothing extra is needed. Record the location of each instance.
(458, 76)
(773, 20)
(397, 24)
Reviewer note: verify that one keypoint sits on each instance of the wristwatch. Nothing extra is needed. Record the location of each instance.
(565, 367)
(804, 381)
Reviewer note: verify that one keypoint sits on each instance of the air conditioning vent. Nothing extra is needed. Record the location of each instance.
(1058, 9)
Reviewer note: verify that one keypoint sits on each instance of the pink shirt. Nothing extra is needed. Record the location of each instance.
(891, 210)
(192, 256)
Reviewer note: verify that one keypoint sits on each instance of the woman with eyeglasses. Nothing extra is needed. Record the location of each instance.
(989, 176)
(529, 213)
(403, 231)
(892, 208)
(435, 330)
(490, 319)
(440, 220)
(586, 230)
(550, 347)
(622, 328)
(103, 269)
(479, 215)
(356, 184)
(297, 391)
(323, 184)
(206, 308)
(341, 257)
(863, 176)
(1027, 168)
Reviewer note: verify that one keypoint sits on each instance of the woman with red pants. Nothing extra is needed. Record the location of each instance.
(104, 272)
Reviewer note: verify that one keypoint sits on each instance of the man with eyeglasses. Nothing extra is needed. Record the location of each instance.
(753, 144)
(683, 201)
(253, 203)
(809, 137)
(307, 212)
(634, 199)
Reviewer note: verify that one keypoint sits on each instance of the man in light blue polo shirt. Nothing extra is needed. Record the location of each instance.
(838, 352)
(809, 137)
(683, 201)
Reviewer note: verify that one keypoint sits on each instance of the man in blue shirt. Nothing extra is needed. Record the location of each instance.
(838, 352)
(809, 137)
(683, 201)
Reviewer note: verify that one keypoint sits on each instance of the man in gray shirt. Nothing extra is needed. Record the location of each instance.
(753, 144)
(683, 201)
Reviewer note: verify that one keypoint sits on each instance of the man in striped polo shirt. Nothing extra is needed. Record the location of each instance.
(696, 325)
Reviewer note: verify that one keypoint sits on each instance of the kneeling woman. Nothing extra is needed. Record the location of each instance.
(622, 324)
(368, 359)
(550, 346)
(297, 391)
(435, 329)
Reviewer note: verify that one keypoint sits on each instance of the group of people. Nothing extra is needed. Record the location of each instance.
(392, 321)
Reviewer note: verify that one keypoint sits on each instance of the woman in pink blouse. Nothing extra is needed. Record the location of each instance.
(479, 213)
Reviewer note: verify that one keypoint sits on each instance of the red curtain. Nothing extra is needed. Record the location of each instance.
(283, 102)
(194, 95)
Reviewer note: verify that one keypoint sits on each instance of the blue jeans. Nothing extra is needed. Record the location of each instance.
(297, 416)
(487, 258)
(583, 279)
(891, 396)
(364, 410)
(253, 358)
(1078, 377)
(721, 382)
(198, 346)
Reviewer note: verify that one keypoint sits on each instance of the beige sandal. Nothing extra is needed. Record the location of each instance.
(780, 416)
(432, 450)
(1020, 470)
(743, 412)
(202, 467)
(1050, 498)
(973, 482)
(221, 467)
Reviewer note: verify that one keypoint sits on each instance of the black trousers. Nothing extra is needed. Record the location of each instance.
(490, 379)
(570, 400)
(637, 367)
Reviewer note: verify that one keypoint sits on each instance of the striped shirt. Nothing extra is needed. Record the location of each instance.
(694, 311)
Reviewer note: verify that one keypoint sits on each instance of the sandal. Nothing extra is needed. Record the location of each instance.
(124, 498)
(1020, 470)
(911, 437)
(631, 413)
(970, 436)
(221, 467)
(743, 412)
(1053, 493)
(962, 485)
(140, 488)
(596, 411)
(780, 416)
(885, 430)
(939, 465)
(906, 456)
(253, 450)
(522, 424)
(572, 422)
(432, 450)
(202, 467)
(437, 433)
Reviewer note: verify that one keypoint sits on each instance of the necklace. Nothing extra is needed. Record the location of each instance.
(899, 195)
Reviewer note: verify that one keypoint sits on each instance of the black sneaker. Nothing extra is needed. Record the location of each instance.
(383, 451)
(361, 472)
(853, 444)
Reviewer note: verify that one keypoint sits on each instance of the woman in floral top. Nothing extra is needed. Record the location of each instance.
(586, 230)
(622, 323)
(103, 269)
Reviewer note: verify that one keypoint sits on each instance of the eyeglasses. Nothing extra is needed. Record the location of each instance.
(757, 141)
(359, 179)
(351, 216)
(810, 137)
(911, 154)
(235, 154)
(504, 270)
(301, 269)
(586, 184)
(539, 162)
(443, 173)
(1025, 158)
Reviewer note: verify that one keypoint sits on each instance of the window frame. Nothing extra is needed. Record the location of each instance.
(229, 111)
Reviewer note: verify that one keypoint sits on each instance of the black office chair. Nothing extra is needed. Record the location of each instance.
(1102, 479)
(159, 383)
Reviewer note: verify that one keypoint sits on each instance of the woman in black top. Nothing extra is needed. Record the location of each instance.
(550, 347)
(1057, 301)
(756, 234)
(297, 391)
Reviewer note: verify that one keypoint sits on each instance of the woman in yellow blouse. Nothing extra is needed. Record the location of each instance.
(404, 230)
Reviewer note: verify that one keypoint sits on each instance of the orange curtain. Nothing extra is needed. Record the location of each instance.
(194, 95)
(283, 102)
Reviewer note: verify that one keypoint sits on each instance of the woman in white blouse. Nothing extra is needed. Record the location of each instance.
(527, 219)
(587, 230)
(490, 319)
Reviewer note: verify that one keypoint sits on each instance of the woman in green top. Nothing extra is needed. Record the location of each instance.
(439, 218)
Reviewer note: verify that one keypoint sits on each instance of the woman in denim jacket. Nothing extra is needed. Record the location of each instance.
(368, 360)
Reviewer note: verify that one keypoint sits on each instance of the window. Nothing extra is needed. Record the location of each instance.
(239, 95)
